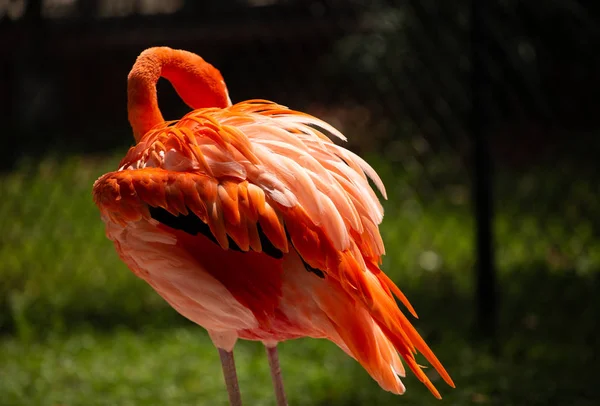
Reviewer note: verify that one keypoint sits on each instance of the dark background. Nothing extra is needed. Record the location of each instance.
(482, 117)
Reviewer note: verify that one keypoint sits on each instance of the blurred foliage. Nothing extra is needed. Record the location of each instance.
(79, 328)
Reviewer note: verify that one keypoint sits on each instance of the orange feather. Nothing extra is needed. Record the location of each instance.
(254, 196)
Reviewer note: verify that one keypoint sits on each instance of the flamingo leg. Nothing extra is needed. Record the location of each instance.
(273, 357)
(233, 387)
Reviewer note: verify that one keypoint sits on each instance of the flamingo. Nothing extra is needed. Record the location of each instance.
(249, 221)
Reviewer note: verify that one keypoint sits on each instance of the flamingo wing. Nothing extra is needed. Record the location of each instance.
(259, 177)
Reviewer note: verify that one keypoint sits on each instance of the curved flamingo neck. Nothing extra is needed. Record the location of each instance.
(197, 82)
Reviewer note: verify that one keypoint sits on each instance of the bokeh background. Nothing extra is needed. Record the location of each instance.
(481, 117)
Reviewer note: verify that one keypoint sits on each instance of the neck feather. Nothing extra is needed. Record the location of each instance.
(197, 82)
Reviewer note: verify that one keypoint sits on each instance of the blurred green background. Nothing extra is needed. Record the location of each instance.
(78, 328)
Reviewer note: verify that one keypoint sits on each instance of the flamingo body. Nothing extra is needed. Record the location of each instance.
(248, 220)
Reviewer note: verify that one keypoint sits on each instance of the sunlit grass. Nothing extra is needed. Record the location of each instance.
(80, 329)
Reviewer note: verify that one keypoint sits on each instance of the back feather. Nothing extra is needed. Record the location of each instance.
(259, 164)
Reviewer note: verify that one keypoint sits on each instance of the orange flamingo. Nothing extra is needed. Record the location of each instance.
(248, 220)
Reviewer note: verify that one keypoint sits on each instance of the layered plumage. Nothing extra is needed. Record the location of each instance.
(252, 223)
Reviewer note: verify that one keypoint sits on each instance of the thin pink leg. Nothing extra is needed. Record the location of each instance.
(276, 375)
(233, 388)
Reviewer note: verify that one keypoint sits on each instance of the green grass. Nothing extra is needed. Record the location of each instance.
(79, 329)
